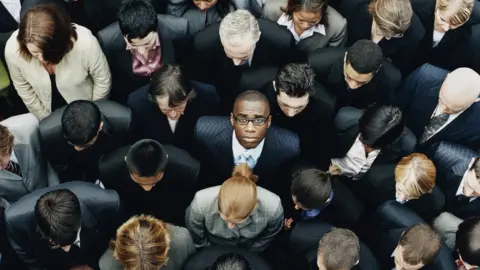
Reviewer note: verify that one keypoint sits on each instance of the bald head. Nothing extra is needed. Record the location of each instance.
(459, 91)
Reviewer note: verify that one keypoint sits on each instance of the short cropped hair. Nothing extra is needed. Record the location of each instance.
(416, 175)
(311, 187)
(339, 249)
(420, 244)
(381, 125)
(50, 29)
(171, 81)
(467, 240)
(137, 18)
(392, 17)
(142, 243)
(237, 26)
(6, 141)
(463, 10)
(231, 261)
(81, 120)
(252, 95)
(307, 5)
(146, 158)
(365, 56)
(295, 80)
(59, 216)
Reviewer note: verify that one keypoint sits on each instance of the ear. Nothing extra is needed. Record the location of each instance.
(232, 119)
(269, 121)
(275, 87)
(101, 126)
(259, 35)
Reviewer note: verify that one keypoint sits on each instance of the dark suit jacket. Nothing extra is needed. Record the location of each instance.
(213, 135)
(168, 199)
(83, 165)
(99, 210)
(328, 66)
(7, 22)
(452, 162)
(153, 124)
(418, 99)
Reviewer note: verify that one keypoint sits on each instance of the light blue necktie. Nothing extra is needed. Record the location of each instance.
(246, 158)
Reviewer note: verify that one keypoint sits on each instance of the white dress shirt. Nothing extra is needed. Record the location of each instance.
(437, 37)
(13, 7)
(77, 241)
(450, 119)
(356, 162)
(285, 21)
(239, 149)
(173, 124)
(462, 184)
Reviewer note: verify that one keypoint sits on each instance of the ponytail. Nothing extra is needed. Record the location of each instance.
(244, 171)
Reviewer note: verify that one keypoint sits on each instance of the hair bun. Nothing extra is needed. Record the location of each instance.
(243, 170)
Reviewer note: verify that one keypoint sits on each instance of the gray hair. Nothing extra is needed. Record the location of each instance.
(237, 25)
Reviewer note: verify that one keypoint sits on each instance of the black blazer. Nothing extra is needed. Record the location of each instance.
(153, 124)
(328, 66)
(418, 99)
(7, 22)
(168, 199)
(213, 136)
(452, 162)
(398, 50)
(99, 211)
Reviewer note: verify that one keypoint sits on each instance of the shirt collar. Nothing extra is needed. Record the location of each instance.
(462, 184)
(238, 149)
(286, 21)
(77, 241)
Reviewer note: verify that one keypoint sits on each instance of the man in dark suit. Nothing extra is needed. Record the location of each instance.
(64, 226)
(441, 106)
(9, 15)
(246, 137)
(151, 179)
(215, 257)
(357, 76)
(74, 137)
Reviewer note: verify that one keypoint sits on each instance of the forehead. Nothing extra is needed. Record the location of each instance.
(352, 73)
(238, 45)
(246, 107)
(142, 41)
(293, 101)
(32, 47)
(306, 15)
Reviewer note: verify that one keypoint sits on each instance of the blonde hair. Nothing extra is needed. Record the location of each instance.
(462, 10)
(237, 25)
(415, 175)
(238, 195)
(142, 243)
(392, 17)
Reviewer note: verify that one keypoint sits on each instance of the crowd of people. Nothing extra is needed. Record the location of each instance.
(240, 134)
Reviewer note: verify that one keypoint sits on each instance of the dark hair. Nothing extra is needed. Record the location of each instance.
(467, 240)
(231, 261)
(81, 120)
(311, 187)
(365, 56)
(252, 95)
(381, 125)
(340, 249)
(50, 29)
(171, 81)
(476, 167)
(223, 7)
(308, 5)
(146, 158)
(295, 80)
(137, 18)
(59, 216)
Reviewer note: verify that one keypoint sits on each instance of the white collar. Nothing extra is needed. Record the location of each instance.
(462, 184)
(286, 21)
(238, 149)
(77, 241)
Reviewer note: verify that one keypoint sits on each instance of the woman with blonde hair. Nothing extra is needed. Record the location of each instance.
(237, 213)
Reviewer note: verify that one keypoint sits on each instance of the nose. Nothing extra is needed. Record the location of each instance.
(237, 61)
(352, 84)
(147, 188)
(172, 113)
(250, 128)
(203, 6)
(142, 50)
(291, 112)
(304, 26)
(231, 225)
(446, 27)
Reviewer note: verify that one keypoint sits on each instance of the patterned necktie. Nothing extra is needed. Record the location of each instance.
(13, 167)
(246, 158)
(434, 124)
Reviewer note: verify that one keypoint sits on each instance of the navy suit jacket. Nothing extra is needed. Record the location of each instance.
(418, 99)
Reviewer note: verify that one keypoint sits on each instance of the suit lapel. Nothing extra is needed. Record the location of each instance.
(225, 150)
(166, 45)
(88, 232)
(268, 150)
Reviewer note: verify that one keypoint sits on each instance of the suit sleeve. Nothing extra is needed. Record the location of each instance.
(340, 38)
(98, 69)
(274, 226)
(407, 90)
(22, 247)
(195, 223)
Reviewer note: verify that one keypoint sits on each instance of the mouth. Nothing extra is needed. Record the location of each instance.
(250, 139)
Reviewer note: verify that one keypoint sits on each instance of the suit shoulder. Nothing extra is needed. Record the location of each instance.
(177, 27)
(336, 22)
(324, 58)
(426, 76)
(206, 196)
(268, 198)
(391, 73)
(211, 125)
(12, 48)
(286, 140)
(207, 39)
(273, 30)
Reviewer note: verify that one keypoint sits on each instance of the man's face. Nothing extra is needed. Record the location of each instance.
(353, 78)
(400, 263)
(146, 182)
(204, 5)
(142, 45)
(250, 119)
(241, 50)
(292, 106)
(471, 188)
(4, 161)
(171, 113)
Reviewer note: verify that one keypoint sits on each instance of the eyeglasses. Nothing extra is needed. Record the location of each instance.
(259, 121)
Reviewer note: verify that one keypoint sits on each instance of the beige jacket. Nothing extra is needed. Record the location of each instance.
(83, 73)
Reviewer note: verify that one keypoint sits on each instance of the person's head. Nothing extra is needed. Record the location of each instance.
(459, 91)
(467, 242)
(223, 7)
(294, 84)
(81, 124)
(6, 146)
(251, 118)
(362, 61)
(142, 243)
(380, 126)
(391, 18)
(418, 246)
(414, 176)
(311, 189)
(171, 90)
(339, 249)
(239, 33)
(231, 261)
(471, 188)
(237, 197)
(451, 14)
(59, 217)
(306, 13)
(138, 23)
(146, 161)
(46, 32)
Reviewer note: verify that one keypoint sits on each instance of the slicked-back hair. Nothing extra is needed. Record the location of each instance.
(307, 5)
(295, 80)
(252, 95)
(467, 240)
(339, 249)
(311, 187)
(381, 125)
(59, 216)
(231, 261)
(171, 81)
(365, 56)
(420, 244)
(80, 122)
(137, 18)
(146, 158)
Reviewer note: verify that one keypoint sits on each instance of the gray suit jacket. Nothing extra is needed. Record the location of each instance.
(36, 170)
(203, 220)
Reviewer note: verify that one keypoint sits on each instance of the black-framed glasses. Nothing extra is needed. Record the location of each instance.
(258, 121)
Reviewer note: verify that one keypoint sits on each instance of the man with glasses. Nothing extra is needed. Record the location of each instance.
(247, 137)
(358, 75)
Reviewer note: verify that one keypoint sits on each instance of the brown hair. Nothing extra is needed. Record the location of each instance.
(462, 10)
(307, 5)
(420, 244)
(142, 243)
(476, 167)
(6, 141)
(391, 16)
(416, 175)
(238, 195)
(50, 29)
(339, 249)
